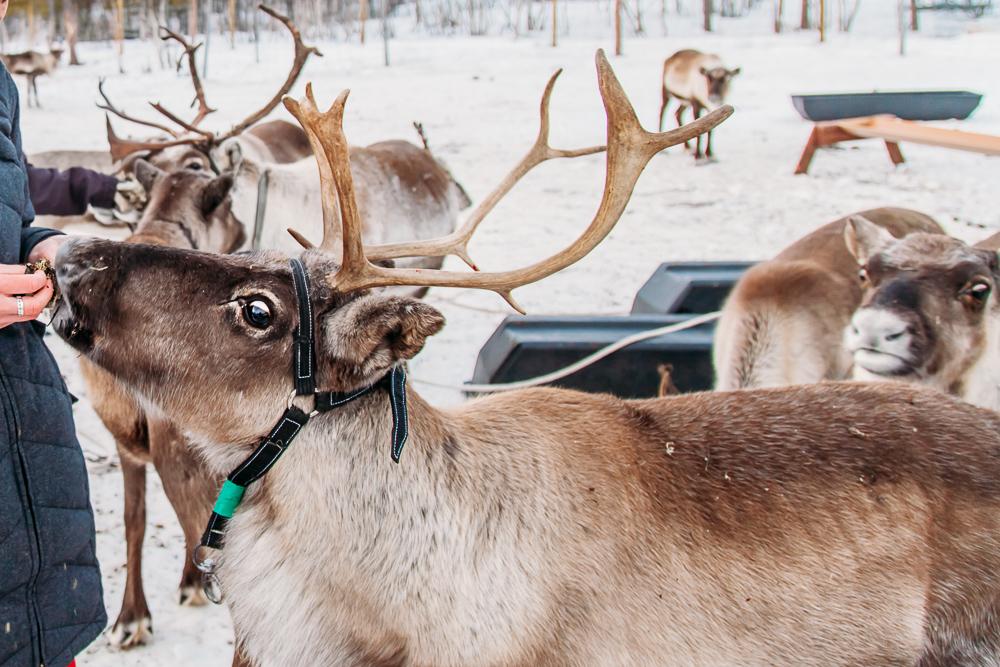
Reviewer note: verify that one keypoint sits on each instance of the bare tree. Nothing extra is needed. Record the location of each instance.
(618, 27)
(555, 23)
(363, 18)
(72, 26)
(707, 9)
(779, 11)
(805, 23)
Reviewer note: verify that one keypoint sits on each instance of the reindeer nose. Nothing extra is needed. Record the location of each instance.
(877, 328)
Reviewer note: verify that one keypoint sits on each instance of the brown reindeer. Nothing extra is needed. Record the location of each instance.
(31, 65)
(827, 524)
(783, 322)
(191, 209)
(929, 314)
(189, 146)
(699, 81)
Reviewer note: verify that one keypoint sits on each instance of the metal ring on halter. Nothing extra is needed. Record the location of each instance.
(20, 306)
(205, 560)
(291, 402)
(212, 588)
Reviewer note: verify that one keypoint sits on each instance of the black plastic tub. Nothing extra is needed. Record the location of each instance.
(928, 105)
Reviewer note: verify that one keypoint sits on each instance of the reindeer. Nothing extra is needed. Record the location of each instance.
(32, 64)
(699, 81)
(406, 195)
(189, 146)
(929, 313)
(826, 524)
(782, 323)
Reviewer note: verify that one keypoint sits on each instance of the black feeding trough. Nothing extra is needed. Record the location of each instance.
(688, 287)
(916, 105)
(525, 347)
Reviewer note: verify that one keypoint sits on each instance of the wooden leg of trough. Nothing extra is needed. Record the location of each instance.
(807, 154)
(895, 154)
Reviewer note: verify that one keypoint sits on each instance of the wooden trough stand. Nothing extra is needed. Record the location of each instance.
(893, 130)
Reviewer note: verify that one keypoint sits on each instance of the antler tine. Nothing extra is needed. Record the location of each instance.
(341, 219)
(199, 89)
(302, 53)
(630, 147)
(457, 243)
(122, 148)
(111, 108)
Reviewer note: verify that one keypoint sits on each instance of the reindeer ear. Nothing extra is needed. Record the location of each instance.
(734, 72)
(215, 193)
(360, 342)
(146, 173)
(864, 238)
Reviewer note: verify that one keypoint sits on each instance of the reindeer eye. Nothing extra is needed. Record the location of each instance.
(257, 314)
(979, 291)
(194, 166)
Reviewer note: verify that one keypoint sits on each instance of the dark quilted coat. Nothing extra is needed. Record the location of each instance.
(50, 586)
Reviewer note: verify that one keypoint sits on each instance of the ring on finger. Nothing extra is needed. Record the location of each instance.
(20, 306)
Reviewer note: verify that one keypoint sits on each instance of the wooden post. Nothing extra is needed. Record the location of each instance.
(555, 27)
(618, 27)
(232, 24)
(822, 20)
(804, 21)
(707, 8)
(363, 17)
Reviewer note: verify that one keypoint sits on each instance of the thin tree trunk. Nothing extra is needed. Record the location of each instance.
(416, 10)
(914, 19)
(663, 16)
(804, 22)
(363, 17)
(31, 25)
(72, 27)
(902, 27)
(385, 30)
(707, 9)
(639, 28)
(555, 27)
(822, 20)
(232, 24)
(120, 33)
(618, 27)
(779, 11)
(192, 19)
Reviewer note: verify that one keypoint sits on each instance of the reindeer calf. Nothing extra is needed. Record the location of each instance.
(699, 81)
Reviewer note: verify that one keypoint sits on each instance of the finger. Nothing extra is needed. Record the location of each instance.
(11, 268)
(25, 283)
(33, 305)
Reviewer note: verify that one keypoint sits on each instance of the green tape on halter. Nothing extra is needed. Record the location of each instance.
(229, 499)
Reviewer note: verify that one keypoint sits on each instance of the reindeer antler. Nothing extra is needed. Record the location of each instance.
(122, 147)
(630, 147)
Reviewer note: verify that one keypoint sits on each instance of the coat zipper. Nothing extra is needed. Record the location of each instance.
(37, 555)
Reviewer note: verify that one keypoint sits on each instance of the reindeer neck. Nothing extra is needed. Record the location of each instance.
(980, 384)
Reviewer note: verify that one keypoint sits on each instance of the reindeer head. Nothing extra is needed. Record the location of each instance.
(208, 339)
(927, 304)
(187, 208)
(719, 80)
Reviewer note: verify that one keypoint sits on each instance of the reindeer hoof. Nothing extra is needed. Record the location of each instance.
(126, 635)
(193, 596)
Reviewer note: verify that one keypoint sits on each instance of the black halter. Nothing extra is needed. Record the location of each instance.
(288, 427)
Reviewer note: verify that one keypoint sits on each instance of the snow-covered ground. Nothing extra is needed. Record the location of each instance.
(477, 99)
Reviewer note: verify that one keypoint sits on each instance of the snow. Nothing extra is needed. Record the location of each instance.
(478, 98)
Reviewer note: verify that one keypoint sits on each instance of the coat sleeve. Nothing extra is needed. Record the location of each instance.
(69, 192)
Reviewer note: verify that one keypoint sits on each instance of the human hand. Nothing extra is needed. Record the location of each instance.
(33, 291)
(46, 249)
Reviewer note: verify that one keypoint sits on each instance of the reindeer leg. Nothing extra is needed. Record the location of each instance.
(134, 625)
(190, 490)
(697, 109)
(708, 145)
(34, 87)
(663, 105)
(679, 115)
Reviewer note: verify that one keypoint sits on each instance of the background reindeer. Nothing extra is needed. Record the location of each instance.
(514, 531)
(31, 65)
(929, 313)
(783, 322)
(699, 81)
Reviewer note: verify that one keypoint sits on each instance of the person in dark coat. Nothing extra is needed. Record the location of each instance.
(51, 603)
(69, 192)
